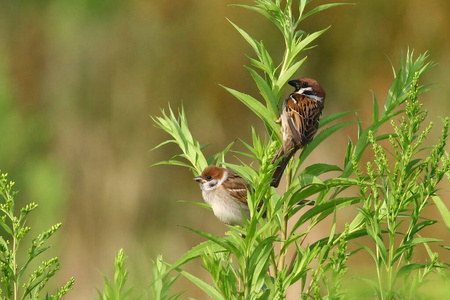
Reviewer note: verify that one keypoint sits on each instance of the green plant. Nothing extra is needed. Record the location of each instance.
(161, 281)
(244, 262)
(400, 183)
(259, 266)
(14, 282)
(116, 290)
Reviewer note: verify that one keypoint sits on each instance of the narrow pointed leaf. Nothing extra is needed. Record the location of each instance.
(320, 138)
(443, 210)
(207, 288)
(286, 76)
(265, 90)
(247, 37)
(406, 269)
(305, 42)
(318, 169)
(330, 118)
(260, 110)
(324, 208)
(196, 252)
(321, 8)
(375, 108)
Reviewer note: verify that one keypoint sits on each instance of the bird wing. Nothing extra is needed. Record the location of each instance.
(304, 114)
(237, 187)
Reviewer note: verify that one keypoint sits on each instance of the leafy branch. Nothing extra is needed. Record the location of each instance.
(12, 281)
(258, 266)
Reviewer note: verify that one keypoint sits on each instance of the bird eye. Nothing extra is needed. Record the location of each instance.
(304, 84)
(208, 177)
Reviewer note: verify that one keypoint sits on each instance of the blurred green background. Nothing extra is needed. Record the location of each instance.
(79, 80)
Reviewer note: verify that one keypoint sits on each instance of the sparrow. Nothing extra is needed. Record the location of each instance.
(226, 192)
(299, 121)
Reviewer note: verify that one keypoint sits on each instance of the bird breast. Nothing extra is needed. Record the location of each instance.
(226, 209)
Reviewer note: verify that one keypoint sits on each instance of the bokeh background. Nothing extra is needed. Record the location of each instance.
(80, 79)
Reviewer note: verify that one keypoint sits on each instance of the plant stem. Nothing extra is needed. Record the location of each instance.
(274, 263)
(15, 286)
(284, 230)
(380, 283)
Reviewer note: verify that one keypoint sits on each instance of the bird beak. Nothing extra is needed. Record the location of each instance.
(294, 83)
(199, 179)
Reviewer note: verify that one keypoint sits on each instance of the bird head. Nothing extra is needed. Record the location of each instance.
(211, 178)
(308, 87)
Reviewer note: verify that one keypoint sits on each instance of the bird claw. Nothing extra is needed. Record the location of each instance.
(278, 121)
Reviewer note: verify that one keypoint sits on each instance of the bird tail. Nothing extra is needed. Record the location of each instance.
(307, 202)
(285, 157)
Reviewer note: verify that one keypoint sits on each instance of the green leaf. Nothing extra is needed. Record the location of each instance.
(443, 210)
(286, 76)
(265, 90)
(445, 247)
(357, 222)
(172, 163)
(220, 157)
(374, 257)
(406, 269)
(163, 143)
(410, 244)
(330, 118)
(324, 208)
(324, 134)
(247, 37)
(179, 130)
(6, 228)
(384, 136)
(304, 42)
(375, 108)
(352, 235)
(207, 288)
(201, 204)
(359, 124)
(348, 152)
(323, 7)
(223, 242)
(3, 243)
(305, 193)
(422, 225)
(196, 252)
(259, 261)
(318, 169)
(260, 110)
(417, 241)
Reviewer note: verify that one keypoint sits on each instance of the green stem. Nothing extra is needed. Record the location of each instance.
(284, 229)
(284, 66)
(284, 232)
(380, 283)
(14, 259)
(274, 264)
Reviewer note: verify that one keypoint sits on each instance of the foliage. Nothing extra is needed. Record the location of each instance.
(14, 282)
(396, 188)
(162, 282)
(402, 183)
(115, 290)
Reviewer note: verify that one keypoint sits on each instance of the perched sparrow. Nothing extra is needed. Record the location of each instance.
(299, 121)
(226, 192)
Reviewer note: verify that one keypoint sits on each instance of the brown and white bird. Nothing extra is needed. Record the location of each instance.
(299, 121)
(226, 192)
